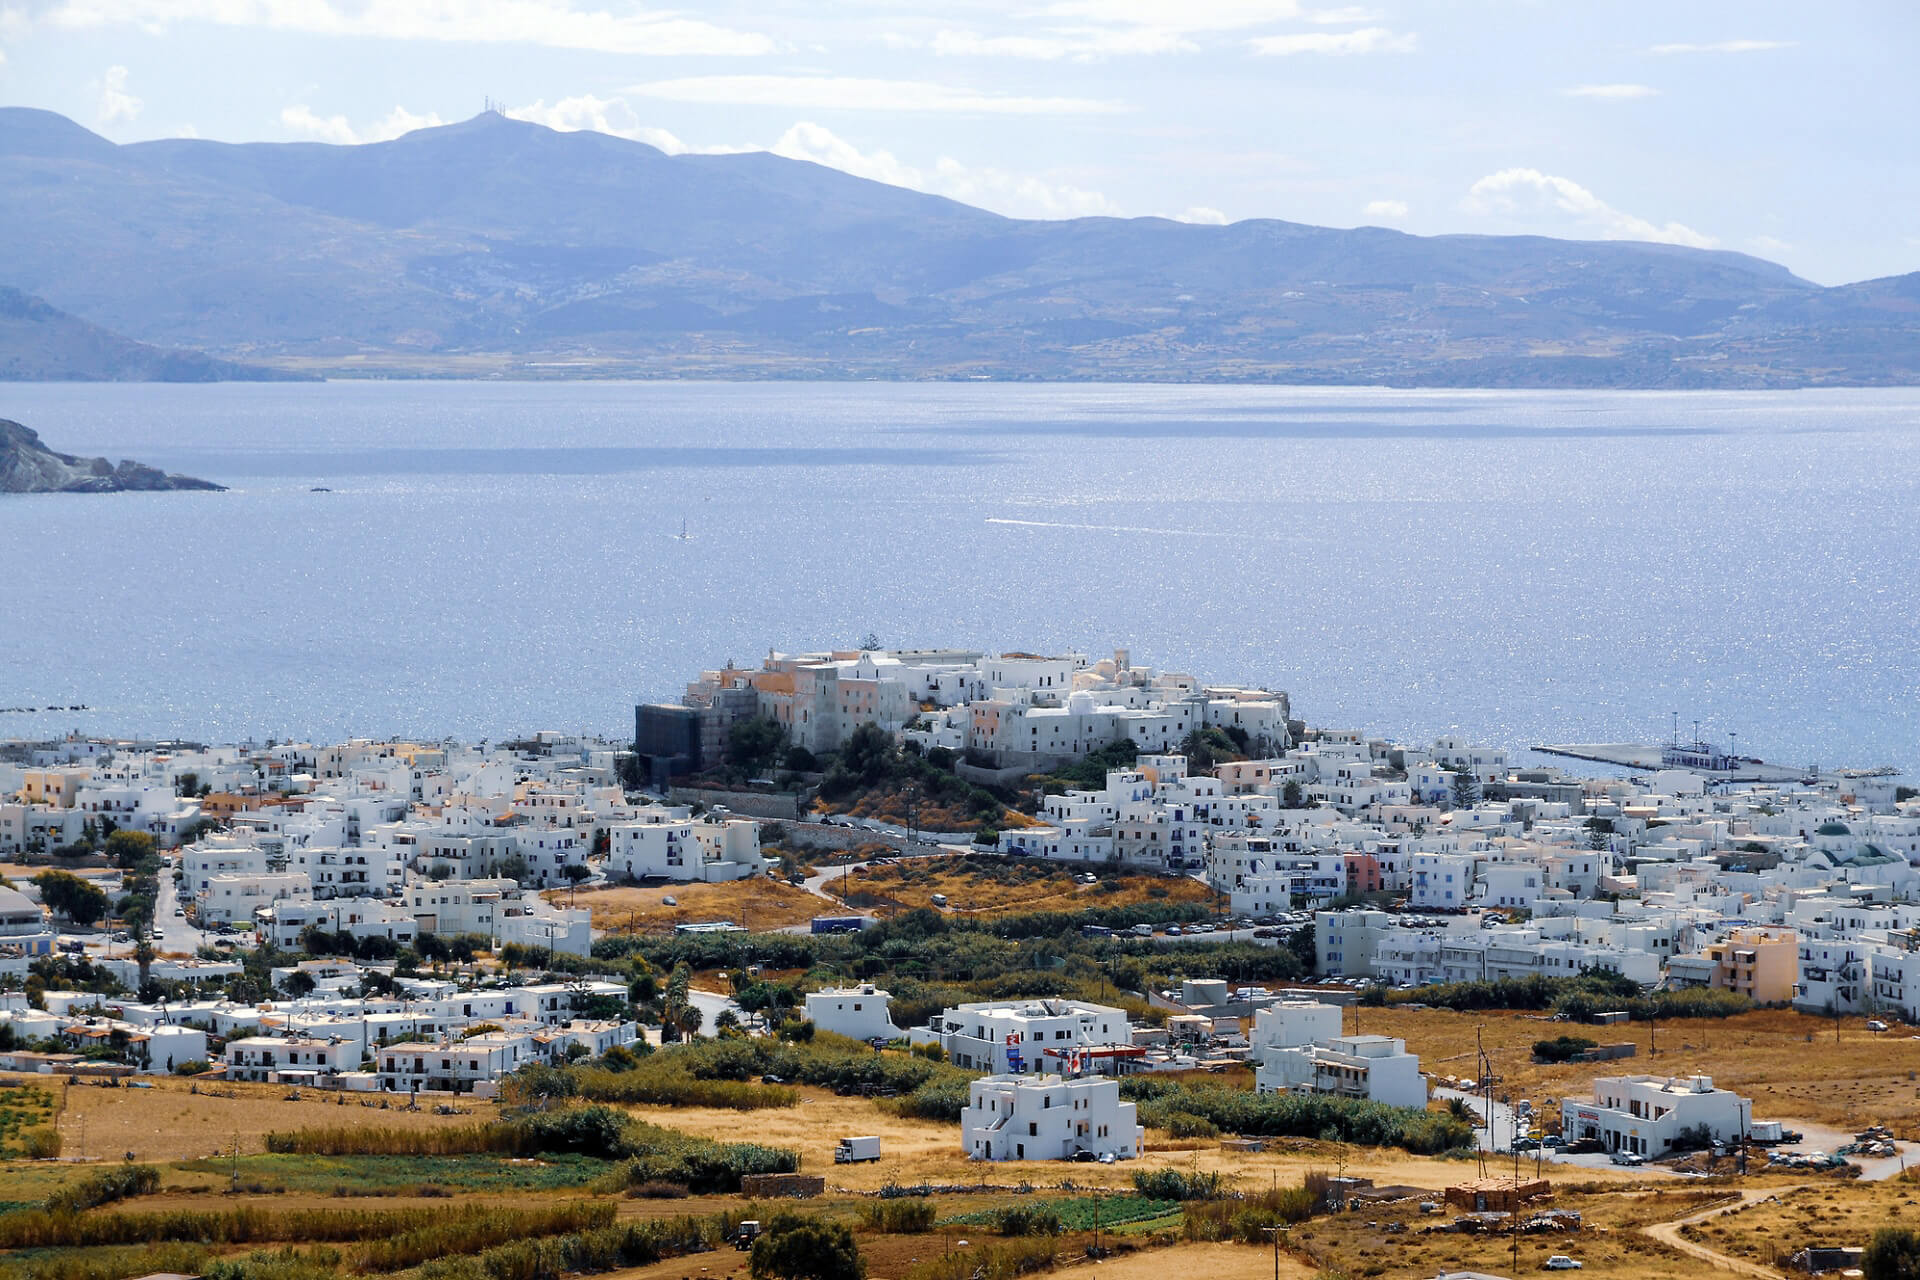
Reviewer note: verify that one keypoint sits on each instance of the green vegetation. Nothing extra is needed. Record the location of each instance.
(1003, 1261)
(639, 1152)
(40, 1229)
(66, 894)
(1322, 1116)
(797, 1248)
(372, 1175)
(1893, 1253)
(105, 1187)
(26, 1123)
(1579, 998)
(1171, 1184)
(1562, 1048)
(871, 762)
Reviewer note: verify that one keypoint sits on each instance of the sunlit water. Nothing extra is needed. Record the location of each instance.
(495, 558)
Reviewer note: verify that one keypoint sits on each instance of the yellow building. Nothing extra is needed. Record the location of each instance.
(1761, 964)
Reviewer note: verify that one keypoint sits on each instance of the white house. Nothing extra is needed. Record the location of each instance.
(859, 1013)
(1377, 1068)
(1645, 1114)
(1020, 1037)
(1047, 1118)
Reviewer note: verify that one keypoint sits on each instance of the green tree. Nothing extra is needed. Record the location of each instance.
(1291, 797)
(129, 848)
(1893, 1253)
(68, 895)
(755, 743)
(1465, 789)
(796, 1248)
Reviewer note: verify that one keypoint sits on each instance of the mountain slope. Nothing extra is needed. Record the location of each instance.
(39, 343)
(499, 240)
(28, 466)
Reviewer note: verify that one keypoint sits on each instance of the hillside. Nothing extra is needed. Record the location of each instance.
(28, 466)
(500, 246)
(40, 343)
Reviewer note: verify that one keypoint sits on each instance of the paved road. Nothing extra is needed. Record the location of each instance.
(179, 935)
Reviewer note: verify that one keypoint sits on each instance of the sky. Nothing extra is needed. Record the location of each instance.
(1780, 129)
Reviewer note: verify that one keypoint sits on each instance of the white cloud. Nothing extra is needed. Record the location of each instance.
(1616, 91)
(116, 104)
(1177, 15)
(1725, 46)
(1531, 193)
(1769, 244)
(302, 120)
(851, 93)
(1363, 40)
(1392, 210)
(1340, 17)
(401, 121)
(1080, 45)
(601, 115)
(1202, 216)
(1014, 194)
(554, 23)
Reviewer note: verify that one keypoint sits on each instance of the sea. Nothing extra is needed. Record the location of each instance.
(487, 559)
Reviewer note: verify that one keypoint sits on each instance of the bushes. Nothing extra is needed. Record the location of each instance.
(898, 1217)
(39, 1229)
(1171, 1184)
(1296, 1115)
(477, 1229)
(111, 1264)
(1003, 1261)
(1024, 1220)
(699, 1164)
(1562, 1049)
(635, 1244)
(104, 1188)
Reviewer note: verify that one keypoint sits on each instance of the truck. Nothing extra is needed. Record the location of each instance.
(838, 924)
(1766, 1132)
(855, 1150)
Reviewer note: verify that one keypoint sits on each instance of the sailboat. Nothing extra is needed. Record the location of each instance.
(683, 535)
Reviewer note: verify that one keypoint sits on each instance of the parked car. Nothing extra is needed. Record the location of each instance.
(1627, 1158)
(1561, 1262)
(1875, 1025)
(669, 901)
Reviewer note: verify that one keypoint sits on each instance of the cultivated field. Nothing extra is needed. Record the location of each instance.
(985, 888)
(757, 902)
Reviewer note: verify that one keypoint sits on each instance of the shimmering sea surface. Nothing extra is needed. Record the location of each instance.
(494, 558)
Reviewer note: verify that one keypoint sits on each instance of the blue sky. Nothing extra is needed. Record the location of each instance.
(1785, 130)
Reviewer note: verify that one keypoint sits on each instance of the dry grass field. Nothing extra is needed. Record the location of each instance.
(916, 1151)
(758, 902)
(171, 1122)
(169, 1125)
(985, 889)
(1822, 1214)
(1787, 1062)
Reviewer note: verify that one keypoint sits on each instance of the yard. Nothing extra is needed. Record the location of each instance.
(757, 902)
(994, 886)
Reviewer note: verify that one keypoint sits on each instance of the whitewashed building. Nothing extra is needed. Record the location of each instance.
(1047, 1118)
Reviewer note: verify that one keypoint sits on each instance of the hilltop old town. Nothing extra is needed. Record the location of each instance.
(958, 910)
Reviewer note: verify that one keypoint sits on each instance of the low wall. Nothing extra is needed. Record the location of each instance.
(796, 1186)
(783, 807)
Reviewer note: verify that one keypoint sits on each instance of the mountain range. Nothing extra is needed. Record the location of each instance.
(500, 247)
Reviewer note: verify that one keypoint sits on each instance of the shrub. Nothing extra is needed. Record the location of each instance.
(1172, 1184)
(1003, 1261)
(473, 1232)
(104, 1188)
(1893, 1253)
(796, 1248)
(1025, 1220)
(1561, 1049)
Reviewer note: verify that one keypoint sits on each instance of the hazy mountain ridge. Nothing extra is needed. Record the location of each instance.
(41, 343)
(499, 238)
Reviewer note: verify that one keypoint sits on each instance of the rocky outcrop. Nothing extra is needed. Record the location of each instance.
(27, 466)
